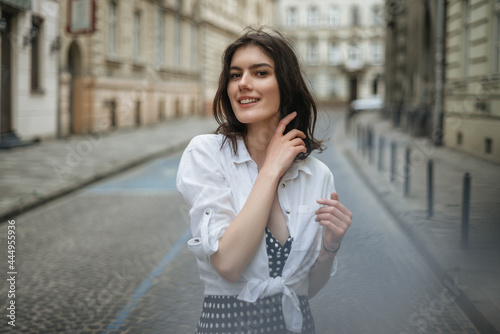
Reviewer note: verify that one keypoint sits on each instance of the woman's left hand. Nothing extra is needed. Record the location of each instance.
(336, 219)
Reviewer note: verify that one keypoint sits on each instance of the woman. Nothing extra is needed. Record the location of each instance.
(257, 199)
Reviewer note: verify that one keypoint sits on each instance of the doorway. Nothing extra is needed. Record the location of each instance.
(353, 89)
(74, 105)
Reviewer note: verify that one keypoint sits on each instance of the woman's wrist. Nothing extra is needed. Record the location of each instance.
(269, 174)
(332, 250)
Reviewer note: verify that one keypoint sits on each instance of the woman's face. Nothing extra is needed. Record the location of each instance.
(253, 87)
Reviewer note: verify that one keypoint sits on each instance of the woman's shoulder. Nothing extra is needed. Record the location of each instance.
(316, 166)
(206, 142)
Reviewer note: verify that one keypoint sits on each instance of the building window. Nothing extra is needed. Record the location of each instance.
(466, 38)
(291, 17)
(334, 16)
(178, 41)
(355, 15)
(496, 40)
(194, 47)
(312, 53)
(36, 52)
(376, 52)
(376, 15)
(354, 60)
(313, 17)
(136, 52)
(334, 54)
(354, 53)
(112, 28)
(333, 86)
(160, 37)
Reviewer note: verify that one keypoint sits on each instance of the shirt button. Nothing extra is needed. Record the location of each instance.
(282, 185)
(287, 212)
(207, 212)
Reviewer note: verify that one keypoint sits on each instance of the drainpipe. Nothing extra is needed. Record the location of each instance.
(437, 116)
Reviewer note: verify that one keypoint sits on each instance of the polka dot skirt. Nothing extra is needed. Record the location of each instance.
(227, 314)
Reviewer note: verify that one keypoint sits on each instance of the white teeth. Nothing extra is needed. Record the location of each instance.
(248, 101)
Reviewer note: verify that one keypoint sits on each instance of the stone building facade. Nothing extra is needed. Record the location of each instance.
(443, 72)
(146, 61)
(341, 44)
(411, 64)
(472, 88)
(29, 85)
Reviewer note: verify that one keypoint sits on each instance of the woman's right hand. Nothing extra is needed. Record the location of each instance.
(283, 149)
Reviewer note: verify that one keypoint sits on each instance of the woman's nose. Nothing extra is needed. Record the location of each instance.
(245, 82)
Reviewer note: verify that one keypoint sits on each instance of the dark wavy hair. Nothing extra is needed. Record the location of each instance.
(294, 94)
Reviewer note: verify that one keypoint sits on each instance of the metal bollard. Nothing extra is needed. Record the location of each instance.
(465, 210)
(366, 142)
(380, 154)
(358, 136)
(370, 145)
(363, 145)
(393, 161)
(430, 189)
(407, 171)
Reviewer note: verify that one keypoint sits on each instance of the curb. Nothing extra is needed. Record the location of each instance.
(32, 204)
(417, 237)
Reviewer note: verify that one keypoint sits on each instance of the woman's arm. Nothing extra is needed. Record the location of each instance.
(336, 219)
(242, 237)
(320, 272)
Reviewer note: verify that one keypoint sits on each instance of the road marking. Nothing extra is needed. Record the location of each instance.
(146, 284)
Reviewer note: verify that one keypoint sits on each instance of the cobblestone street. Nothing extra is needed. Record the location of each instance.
(111, 258)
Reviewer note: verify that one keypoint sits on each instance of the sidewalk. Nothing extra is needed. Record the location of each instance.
(33, 175)
(474, 269)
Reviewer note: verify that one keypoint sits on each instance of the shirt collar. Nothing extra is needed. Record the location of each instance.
(243, 156)
(295, 168)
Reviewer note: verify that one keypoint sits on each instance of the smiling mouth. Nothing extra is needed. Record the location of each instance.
(247, 101)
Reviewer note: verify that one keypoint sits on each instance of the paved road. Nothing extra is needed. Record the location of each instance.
(111, 258)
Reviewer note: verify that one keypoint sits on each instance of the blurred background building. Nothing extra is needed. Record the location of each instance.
(341, 44)
(472, 86)
(29, 84)
(127, 63)
(77, 66)
(443, 72)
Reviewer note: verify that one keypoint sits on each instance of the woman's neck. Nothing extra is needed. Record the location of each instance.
(257, 140)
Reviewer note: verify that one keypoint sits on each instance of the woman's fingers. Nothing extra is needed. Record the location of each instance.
(284, 122)
(333, 215)
(333, 203)
(294, 133)
(297, 142)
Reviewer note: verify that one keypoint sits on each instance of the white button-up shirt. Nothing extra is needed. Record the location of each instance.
(216, 183)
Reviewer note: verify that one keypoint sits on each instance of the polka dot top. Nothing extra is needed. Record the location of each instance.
(227, 314)
(276, 253)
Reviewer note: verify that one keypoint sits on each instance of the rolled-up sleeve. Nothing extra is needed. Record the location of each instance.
(202, 183)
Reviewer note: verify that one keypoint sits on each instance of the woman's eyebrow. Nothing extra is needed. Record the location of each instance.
(251, 67)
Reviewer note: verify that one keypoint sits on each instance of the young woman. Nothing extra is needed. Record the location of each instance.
(257, 199)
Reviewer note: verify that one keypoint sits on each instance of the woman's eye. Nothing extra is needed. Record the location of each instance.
(261, 73)
(234, 75)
